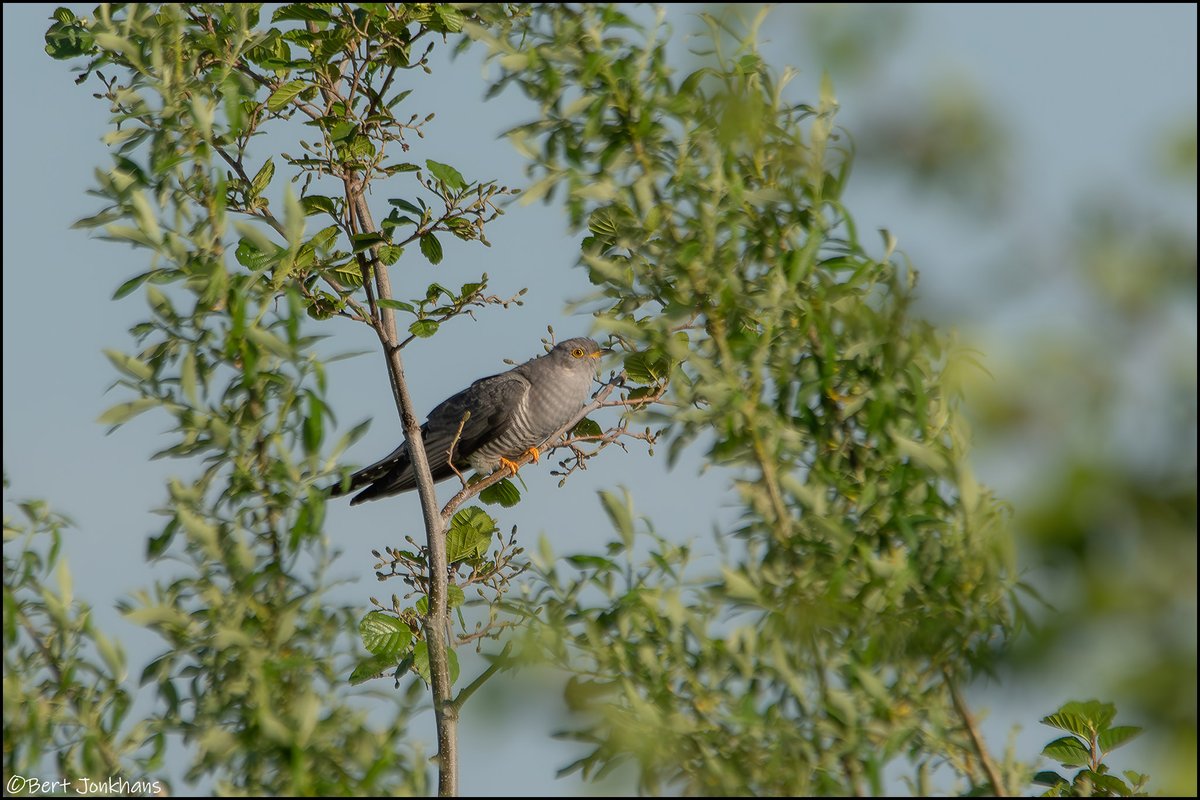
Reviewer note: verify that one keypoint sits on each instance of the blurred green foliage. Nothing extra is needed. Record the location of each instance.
(1093, 402)
(869, 574)
(66, 698)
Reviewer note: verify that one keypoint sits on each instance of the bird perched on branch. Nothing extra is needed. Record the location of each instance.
(492, 423)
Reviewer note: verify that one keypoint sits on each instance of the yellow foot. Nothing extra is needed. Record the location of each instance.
(512, 465)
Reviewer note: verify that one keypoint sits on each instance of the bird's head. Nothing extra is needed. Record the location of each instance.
(578, 353)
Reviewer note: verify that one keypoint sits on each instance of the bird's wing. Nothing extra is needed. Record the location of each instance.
(490, 402)
(484, 410)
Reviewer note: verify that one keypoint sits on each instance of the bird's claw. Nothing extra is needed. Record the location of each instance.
(514, 466)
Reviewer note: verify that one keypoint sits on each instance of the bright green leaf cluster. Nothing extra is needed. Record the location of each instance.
(1092, 738)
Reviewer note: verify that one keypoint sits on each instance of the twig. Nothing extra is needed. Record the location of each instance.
(500, 663)
(453, 444)
(437, 622)
(977, 742)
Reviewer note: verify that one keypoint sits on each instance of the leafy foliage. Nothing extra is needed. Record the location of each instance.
(1092, 737)
(867, 576)
(66, 697)
(250, 673)
(871, 569)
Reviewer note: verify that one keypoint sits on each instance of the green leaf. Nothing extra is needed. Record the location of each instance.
(263, 179)
(1098, 714)
(385, 635)
(642, 392)
(341, 130)
(1085, 718)
(1109, 784)
(119, 44)
(1068, 751)
(620, 513)
(738, 586)
(96, 220)
(1112, 738)
(303, 12)
(421, 662)
(269, 342)
(423, 328)
(446, 174)
(399, 305)
(293, 218)
(255, 237)
(504, 493)
(474, 518)
(1136, 779)
(187, 376)
(251, 257)
(200, 530)
(921, 453)
(1048, 778)
(133, 367)
(365, 241)
(470, 535)
(373, 667)
(431, 248)
(145, 216)
(123, 412)
(347, 273)
(451, 18)
(390, 253)
(608, 222)
(646, 367)
(362, 147)
(318, 203)
(314, 429)
(325, 238)
(396, 100)
(286, 94)
(587, 427)
(111, 652)
(599, 563)
(1069, 722)
(324, 305)
(420, 657)
(407, 206)
(62, 576)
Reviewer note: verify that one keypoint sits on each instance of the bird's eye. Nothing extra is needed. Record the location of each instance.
(577, 352)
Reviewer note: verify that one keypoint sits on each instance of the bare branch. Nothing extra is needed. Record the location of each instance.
(437, 622)
(981, 751)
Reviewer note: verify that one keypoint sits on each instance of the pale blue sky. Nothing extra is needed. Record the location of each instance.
(1084, 89)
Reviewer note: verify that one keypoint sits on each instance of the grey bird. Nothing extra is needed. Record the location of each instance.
(492, 422)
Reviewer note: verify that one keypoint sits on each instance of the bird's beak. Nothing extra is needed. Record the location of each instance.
(603, 351)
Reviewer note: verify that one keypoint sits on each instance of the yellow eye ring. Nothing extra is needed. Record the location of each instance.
(577, 352)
